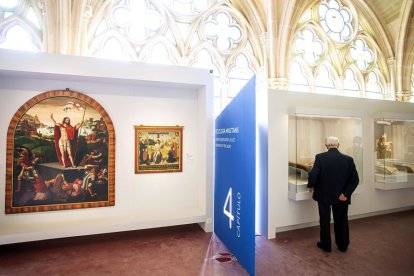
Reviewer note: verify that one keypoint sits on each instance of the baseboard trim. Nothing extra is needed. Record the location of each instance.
(366, 215)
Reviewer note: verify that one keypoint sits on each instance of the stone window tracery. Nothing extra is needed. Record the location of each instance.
(20, 27)
(216, 35)
(138, 20)
(309, 45)
(329, 33)
(324, 82)
(336, 20)
(222, 31)
(201, 33)
(352, 86)
(362, 54)
(374, 89)
(211, 34)
(301, 83)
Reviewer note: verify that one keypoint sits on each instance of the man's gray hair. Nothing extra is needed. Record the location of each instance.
(331, 142)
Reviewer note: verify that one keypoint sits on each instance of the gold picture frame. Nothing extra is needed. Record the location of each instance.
(158, 149)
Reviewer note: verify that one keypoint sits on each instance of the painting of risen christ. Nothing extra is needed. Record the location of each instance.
(60, 151)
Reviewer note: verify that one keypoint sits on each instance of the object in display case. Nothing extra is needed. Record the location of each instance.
(60, 154)
(304, 167)
(158, 149)
(384, 148)
(381, 168)
(409, 168)
(307, 135)
(394, 151)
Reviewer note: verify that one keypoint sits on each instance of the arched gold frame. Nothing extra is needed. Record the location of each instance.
(10, 209)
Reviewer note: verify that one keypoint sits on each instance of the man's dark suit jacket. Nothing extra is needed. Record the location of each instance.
(333, 173)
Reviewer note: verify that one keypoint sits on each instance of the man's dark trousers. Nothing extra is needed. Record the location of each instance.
(341, 228)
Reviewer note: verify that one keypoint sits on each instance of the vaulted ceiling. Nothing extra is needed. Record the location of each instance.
(387, 10)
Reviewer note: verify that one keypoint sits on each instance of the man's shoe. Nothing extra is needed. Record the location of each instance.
(343, 249)
(318, 244)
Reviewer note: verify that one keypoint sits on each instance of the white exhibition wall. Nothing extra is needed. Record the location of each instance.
(132, 94)
(286, 214)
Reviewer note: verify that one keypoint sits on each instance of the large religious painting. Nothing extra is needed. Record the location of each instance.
(158, 149)
(60, 154)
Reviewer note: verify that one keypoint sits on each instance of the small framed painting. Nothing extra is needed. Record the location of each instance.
(158, 149)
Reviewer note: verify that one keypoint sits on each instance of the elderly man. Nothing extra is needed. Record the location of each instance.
(332, 180)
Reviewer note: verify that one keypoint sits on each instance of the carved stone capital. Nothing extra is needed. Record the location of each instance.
(278, 83)
(88, 12)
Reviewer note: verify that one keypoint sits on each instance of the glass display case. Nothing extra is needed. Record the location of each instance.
(394, 153)
(307, 138)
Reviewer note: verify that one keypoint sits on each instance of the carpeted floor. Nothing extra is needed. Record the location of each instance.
(380, 245)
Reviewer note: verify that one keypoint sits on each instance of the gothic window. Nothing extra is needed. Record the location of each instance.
(159, 54)
(362, 55)
(300, 81)
(204, 33)
(324, 82)
(352, 86)
(309, 46)
(223, 32)
(137, 20)
(342, 57)
(20, 26)
(112, 48)
(187, 7)
(336, 20)
(374, 89)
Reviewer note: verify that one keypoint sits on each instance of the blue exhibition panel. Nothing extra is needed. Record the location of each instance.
(235, 165)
